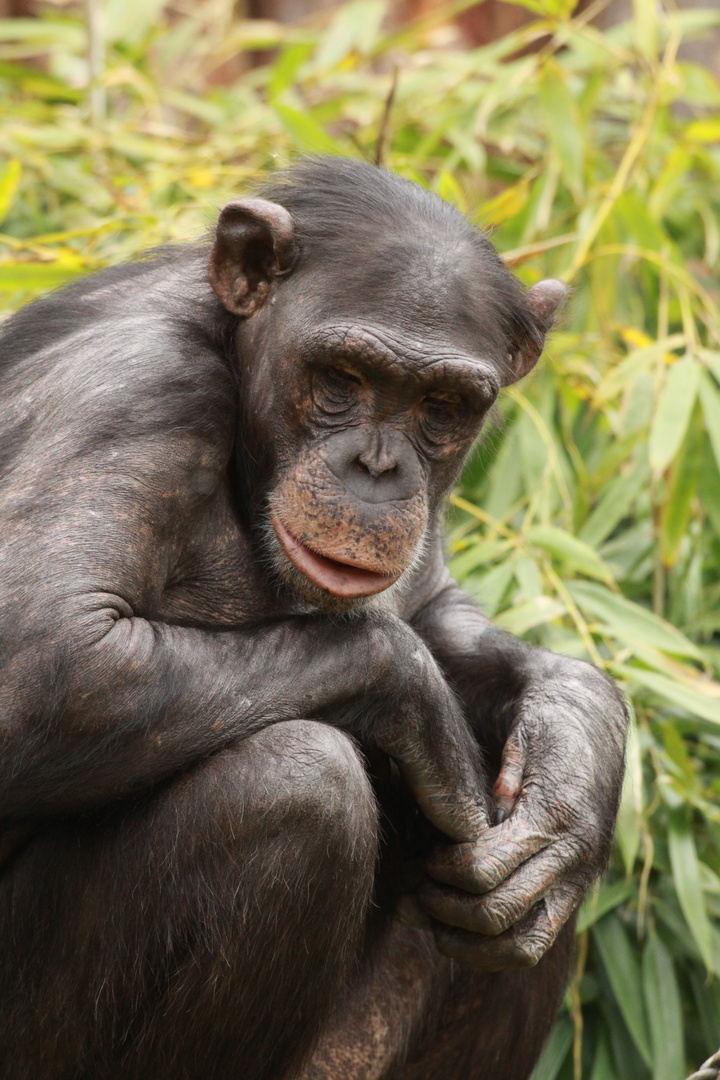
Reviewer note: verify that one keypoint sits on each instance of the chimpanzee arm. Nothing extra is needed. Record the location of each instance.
(114, 461)
(556, 728)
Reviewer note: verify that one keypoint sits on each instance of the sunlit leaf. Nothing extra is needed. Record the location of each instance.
(570, 550)
(673, 412)
(710, 398)
(626, 619)
(686, 876)
(562, 122)
(354, 26)
(305, 132)
(506, 205)
(535, 612)
(9, 181)
(630, 816)
(688, 698)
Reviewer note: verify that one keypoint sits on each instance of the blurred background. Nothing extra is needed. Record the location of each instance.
(585, 138)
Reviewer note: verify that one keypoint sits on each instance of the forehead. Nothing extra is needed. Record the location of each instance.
(432, 299)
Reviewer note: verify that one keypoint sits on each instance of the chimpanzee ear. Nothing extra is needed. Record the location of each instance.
(543, 300)
(253, 244)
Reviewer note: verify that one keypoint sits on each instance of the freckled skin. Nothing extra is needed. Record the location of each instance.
(278, 804)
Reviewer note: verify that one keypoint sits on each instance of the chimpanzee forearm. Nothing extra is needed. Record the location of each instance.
(147, 699)
(555, 728)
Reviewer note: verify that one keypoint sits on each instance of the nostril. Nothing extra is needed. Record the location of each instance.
(376, 469)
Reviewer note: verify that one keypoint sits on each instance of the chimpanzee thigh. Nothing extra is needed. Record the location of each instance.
(201, 931)
(492, 1026)
(419, 1016)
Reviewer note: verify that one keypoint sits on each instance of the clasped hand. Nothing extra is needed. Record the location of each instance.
(501, 900)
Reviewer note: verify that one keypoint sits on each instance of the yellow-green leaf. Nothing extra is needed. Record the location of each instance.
(626, 620)
(710, 400)
(686, 876)
(524, 617)
(9, 181)
(561, 116)
(673, 412)
(305, 132)
(568, 549)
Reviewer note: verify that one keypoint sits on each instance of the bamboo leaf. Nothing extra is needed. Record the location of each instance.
(568, 549)
(630, 815)
(601, 901)
(34, 276)
(684, 480)
(602, 1066)
(562, 123)
(305, 132)
(627, 620)
(555, 1051)
(664, 1011)
(623, 972)
(543, 609)
(691, 700)
(686, 876)
(9, 182)
(673, 412)
(710, 399)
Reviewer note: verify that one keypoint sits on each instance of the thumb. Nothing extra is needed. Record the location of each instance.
(508, 785)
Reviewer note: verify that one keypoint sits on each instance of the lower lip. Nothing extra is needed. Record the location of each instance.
(337, 578)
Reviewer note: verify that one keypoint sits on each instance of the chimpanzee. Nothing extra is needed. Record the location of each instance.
(249, 724)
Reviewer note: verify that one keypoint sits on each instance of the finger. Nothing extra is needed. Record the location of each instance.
(441, 764)
(521, 947)
(494, 856)
(508, 785)
(454, 804)
(504, 907)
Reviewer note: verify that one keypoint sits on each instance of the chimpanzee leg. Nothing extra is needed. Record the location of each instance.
(204, 931)
(493, 1026)
(419, 1016)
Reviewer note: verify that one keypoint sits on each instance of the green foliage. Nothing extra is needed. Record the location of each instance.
(589, 519)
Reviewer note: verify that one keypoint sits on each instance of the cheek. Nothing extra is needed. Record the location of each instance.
(315, 507)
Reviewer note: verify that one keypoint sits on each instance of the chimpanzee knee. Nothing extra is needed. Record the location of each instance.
(219, 919)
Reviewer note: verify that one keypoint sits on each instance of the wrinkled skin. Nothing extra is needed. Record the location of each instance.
(268, 775)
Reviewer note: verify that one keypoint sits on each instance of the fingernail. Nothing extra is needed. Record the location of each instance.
(500, 815)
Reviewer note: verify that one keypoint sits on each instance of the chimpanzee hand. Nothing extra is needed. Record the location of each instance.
(416, 719)
(501, 901)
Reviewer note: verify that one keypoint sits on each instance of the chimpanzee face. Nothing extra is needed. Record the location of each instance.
(367, 441)
(363, 385)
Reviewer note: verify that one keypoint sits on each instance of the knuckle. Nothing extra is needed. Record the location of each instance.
(495, 917)
(487, 873)
(530, 949)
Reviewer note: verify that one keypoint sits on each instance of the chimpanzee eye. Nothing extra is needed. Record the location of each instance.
(335, 389)
(442, 417)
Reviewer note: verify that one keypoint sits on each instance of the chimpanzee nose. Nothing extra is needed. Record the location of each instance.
(374, 465)
(377, 459)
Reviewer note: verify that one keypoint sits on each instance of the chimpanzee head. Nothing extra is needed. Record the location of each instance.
(375, 328)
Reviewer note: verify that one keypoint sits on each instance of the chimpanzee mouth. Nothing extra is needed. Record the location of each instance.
(346, 580)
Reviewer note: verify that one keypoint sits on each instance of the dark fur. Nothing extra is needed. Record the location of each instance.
(201, 862)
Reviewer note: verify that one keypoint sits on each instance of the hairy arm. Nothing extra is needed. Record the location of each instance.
(112, 468)
(554, 728)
